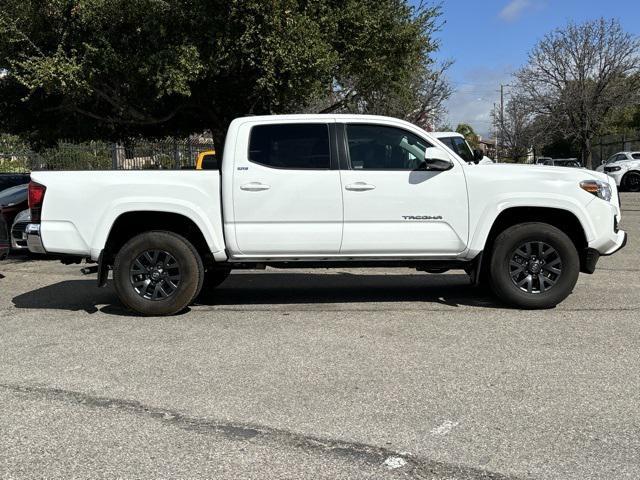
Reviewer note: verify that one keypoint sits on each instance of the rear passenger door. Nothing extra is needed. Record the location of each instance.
(287, 197)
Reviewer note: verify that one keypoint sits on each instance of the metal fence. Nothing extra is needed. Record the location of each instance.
(128, 155)
(607, 145)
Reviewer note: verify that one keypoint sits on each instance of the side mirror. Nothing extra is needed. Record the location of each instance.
(478, 155)
(437, 160)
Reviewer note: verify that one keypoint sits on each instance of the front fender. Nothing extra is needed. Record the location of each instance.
(486, 218)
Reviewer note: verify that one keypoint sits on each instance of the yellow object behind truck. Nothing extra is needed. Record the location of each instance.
(207, 160)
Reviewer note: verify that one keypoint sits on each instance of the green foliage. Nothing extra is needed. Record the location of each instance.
(622, 120)
(11, 144)
(469, 134)
(64, 156)
(89, 69)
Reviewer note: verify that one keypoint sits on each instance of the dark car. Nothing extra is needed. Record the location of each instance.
(13, 200)
(4, 239)
(8, 180)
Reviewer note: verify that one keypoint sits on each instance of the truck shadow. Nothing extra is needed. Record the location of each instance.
(276, 288)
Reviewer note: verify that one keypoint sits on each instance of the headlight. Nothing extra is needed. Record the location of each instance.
(613, 169)
(596, 187)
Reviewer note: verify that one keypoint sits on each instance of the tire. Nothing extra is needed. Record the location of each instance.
(137, 272)
(631, 182)
(515, 279)
(212, 279)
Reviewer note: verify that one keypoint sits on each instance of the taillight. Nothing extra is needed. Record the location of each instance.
(36, 198)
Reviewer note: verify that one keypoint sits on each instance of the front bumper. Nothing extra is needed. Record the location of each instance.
(34, 239)
(617, 176)
(610, 244)
(619, 246)
(591, 256)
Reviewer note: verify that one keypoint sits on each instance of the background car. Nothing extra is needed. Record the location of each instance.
(8, 180)
(4, 239)
(18, 237)
(13, 200)
(562, 162)
(617, 158)
(625, 170)
(541, 160)
(456, 142)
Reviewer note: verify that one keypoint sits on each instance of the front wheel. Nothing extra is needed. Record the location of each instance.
(157, 273)
(533, 265)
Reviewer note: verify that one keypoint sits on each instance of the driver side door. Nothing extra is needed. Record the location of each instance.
(393, 208)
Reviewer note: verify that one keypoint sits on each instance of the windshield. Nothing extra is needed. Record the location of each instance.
(568, 163)
(460, 146)
(13, 195)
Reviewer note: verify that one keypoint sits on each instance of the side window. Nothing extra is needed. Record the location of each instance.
(620, 156)
(447, 141)
(462, 149)
(292, 146)
(377, 147)
(635, 156)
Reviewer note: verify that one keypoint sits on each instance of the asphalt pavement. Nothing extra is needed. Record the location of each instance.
(322, 374)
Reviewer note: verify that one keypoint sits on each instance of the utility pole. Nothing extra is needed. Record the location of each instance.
(496, 128)
(501, 123)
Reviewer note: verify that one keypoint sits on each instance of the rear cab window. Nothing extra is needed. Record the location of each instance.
(291, 146)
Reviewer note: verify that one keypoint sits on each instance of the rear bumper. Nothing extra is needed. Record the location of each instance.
(19, 237)
(34, 238)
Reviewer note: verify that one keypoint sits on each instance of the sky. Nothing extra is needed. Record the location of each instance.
(490, 39)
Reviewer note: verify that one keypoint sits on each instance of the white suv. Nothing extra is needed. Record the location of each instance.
(624, 168)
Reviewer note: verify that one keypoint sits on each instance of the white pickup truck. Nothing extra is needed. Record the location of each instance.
(329, 191)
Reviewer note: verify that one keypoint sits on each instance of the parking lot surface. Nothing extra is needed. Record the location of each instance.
(322, 374)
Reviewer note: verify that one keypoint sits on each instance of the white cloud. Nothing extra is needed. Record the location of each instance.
(514, 9)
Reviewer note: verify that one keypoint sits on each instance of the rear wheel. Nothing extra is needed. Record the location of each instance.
(533, 265)
(157, 273)
(632, 181)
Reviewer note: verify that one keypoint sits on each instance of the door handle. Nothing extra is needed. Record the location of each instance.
(254, 187)
(359, 187)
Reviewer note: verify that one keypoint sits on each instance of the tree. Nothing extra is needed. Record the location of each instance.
(469, 134)
(116, 68)
(576, 75)
(520, 131)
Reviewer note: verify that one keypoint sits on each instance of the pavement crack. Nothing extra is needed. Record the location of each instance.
(413, 467)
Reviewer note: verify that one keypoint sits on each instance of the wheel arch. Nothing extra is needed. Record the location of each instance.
(564, 220)
(132, 223)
